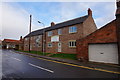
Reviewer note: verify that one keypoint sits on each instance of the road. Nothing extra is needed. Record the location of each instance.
(16, 65)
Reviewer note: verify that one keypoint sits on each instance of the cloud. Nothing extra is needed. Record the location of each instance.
(58, 0)
(15, 21)
(103, 12)
(105, 15)
(15, 18)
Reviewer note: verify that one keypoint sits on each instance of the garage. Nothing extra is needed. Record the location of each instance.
(105, 53)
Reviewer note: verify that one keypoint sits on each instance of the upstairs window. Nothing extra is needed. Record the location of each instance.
(72, 43)
(26, 39)
(50, 33)
(72, 29)
(59, 31)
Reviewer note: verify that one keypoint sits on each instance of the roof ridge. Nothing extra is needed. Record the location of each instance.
(61, 22)
(60, 25)
(72, 19)
(98, 29)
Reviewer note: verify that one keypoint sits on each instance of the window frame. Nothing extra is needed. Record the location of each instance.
(50, 33)
(72, 43)
(71, 29)
(59, 31)
(26, 39)
(48, 44)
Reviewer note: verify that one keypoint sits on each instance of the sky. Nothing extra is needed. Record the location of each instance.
(15, 15)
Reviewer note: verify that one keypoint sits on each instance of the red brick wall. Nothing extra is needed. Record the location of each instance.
(32, 44)
(64, 39)
(89, 26)
(83, 29)
(106, 34)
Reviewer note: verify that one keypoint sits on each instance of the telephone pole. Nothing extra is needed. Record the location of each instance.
(30, 31)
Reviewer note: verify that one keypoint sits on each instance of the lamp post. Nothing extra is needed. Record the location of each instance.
(43, 36)
(30, 31)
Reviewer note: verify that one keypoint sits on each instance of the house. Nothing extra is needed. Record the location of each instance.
(0, 44)
(12, 44)
(101, 45)
(61, 37)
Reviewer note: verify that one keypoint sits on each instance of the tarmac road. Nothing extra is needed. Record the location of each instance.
(16, 65)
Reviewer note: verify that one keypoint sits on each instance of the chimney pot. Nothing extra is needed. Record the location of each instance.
(52, 23)
(89, 12)
(20, 38)
(118, 8)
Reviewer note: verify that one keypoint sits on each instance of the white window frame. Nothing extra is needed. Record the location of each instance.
(59, 31)
(72, 43)
(50, 33)
(71, 29)
(26, 39)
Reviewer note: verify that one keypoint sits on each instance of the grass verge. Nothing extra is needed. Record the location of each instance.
(36, 52)
(65, 56)
(60, 55)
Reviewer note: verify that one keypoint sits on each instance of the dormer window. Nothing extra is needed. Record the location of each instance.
(72, 29)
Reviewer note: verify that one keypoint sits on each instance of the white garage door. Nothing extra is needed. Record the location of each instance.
(106, 53)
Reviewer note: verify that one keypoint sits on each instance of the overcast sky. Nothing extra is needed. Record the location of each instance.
(15, 15)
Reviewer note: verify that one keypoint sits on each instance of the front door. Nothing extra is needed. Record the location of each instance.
(59, 47)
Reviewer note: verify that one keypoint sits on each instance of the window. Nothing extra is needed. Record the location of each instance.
(26, 45)
(37, 39)
(50, 33)
(49, 44)
(59, 31)
(72, 29)
(26, 39)
(72, 43)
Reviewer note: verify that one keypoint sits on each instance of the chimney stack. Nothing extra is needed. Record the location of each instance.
(20, 38)
(52, 23)
(89, 12)
(118, 27)
(118, 8)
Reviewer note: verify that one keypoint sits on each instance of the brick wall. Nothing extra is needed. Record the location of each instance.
(33, 45)
(64, 39)
(83, 30)
(106, 34)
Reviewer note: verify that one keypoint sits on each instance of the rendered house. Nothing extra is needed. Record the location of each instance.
(103, 44)
(61, 37)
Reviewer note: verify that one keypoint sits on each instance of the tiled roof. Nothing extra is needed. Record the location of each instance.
(11, 40)
(59, 25)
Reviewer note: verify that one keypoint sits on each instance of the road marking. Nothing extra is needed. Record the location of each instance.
(41, 68)
(16, 59)
(115, 72)
(97, 69)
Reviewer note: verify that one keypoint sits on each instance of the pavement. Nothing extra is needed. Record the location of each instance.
(102, 66)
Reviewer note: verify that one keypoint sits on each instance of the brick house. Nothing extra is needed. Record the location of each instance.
(101, 45)
(12, 44)
(61, 37)
(36, 39)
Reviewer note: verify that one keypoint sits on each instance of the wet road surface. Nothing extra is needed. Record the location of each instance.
(16, 65)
